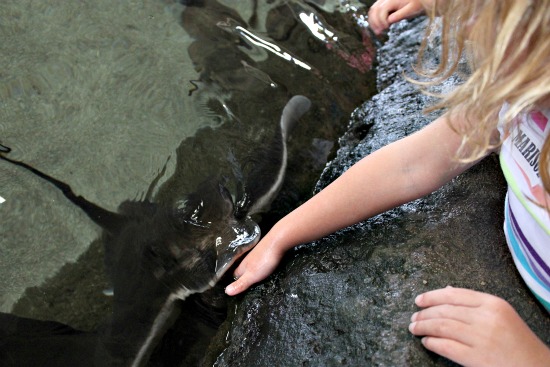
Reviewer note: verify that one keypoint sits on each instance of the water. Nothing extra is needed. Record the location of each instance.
(92, 93)
(102, 95)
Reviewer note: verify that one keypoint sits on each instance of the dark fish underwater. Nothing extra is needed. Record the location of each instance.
(156, 255)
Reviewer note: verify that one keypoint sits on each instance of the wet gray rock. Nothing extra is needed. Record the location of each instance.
(347, 299)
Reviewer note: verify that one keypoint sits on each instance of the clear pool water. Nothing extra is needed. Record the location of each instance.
(103, 94)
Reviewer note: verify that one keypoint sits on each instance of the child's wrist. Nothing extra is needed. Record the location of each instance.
(281, 234)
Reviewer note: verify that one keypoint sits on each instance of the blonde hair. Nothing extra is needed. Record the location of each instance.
(507, 44)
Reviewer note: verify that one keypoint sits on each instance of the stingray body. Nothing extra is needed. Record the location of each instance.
(158, 254)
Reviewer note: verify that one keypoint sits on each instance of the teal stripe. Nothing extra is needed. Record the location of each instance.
(543, 302)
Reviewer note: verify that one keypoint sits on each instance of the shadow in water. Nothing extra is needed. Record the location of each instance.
(158, 254)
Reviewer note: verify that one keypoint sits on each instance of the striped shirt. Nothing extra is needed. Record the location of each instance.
(527, 222)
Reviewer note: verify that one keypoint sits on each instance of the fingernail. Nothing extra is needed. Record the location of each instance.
(418, 299)
(228, 289)
(411, 327)
(413, 317)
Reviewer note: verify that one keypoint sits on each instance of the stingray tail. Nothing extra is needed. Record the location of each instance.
(104, 218)
(266, 176)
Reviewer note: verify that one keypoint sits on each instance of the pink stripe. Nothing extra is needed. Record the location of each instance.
(539, 119)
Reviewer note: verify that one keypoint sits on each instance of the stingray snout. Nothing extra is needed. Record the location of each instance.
(244, 237)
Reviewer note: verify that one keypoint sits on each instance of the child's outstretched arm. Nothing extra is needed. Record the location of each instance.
(476, 329)
(400, 172)
(383, 13)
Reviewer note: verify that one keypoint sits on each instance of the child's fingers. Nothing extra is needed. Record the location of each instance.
(452, 312)
(378, 15)
(241, 284)
(240, 270)
(399, 14)
(447, 348)
(441, 328)
(451, 296)
(378, 24)
(406, 12)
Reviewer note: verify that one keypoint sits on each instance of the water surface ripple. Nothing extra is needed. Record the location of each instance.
(102, 95)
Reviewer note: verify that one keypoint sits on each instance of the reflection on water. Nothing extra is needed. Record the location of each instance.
(101, 95)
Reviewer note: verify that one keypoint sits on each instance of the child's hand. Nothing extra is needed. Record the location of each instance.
(476, 329)
(385, 12)
(255, 267)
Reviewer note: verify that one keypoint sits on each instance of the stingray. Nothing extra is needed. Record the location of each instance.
(158, 254)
